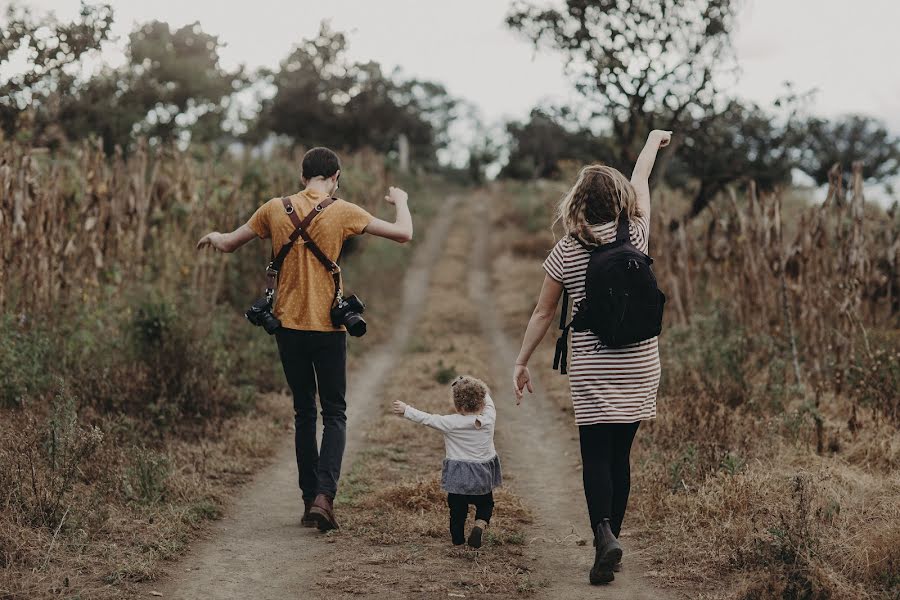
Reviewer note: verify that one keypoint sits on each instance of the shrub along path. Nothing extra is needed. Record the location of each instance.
(260, 551)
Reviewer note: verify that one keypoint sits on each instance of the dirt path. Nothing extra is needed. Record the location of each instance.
(541, 460)
(259, 550)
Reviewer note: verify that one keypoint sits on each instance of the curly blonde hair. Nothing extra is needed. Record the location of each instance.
(469, 394)
(600, 194)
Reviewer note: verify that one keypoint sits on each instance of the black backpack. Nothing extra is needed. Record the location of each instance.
(622, 305)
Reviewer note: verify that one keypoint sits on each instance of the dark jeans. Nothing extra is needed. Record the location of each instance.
(459, 509)
(606, 462)
(311, 360)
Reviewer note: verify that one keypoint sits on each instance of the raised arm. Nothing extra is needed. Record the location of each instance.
(537, 329)
(640, 177)
(227, 242)
(401, 230)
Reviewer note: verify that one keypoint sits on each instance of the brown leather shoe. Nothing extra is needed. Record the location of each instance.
(306, 520)
(322, 511)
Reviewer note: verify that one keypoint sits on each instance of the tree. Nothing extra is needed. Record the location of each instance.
(740, 143)
(846, 140)
(176, 79)
(645, 64)
(51, 48)
(323, 98)
(548, 137)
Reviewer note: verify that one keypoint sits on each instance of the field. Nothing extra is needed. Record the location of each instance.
(135, 401)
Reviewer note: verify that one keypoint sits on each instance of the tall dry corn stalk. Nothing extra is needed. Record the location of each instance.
(76, 221)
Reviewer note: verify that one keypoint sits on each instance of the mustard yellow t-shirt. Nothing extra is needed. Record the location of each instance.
(305, 288)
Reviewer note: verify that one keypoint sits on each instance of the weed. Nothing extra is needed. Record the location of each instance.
(147, 475)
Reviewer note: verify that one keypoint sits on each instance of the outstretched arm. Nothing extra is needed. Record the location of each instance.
(401, 230)
(227, 242)
(537, 329)
(439, 422)
(640, 177)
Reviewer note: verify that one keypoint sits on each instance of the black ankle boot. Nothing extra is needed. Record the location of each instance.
(607, 554)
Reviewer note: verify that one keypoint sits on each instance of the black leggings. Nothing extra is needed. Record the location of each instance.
(605, 456)
(459, 509)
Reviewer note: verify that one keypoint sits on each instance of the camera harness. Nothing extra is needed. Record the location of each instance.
(300, 230)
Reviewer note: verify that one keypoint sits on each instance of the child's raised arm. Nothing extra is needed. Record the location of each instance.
(640, 176)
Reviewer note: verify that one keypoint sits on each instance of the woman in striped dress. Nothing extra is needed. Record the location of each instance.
(613, 390)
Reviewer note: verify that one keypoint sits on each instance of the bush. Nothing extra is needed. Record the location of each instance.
(23, 356)
(46, 461)
(146, 476)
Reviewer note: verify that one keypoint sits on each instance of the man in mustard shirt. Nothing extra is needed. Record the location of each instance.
(313, 351)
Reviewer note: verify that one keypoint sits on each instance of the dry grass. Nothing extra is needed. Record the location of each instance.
(393, 511)
(126, 509)
(783, 489)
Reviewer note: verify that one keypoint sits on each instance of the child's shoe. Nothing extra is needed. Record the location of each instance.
(476, 533)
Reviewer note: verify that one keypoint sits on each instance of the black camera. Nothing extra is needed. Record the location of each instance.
(346, 312)
(260, 314)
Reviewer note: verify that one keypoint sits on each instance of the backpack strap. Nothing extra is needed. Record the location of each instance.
(561, 357)
(622, 232)
(300, 227)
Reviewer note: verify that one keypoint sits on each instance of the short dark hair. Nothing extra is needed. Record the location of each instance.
(320, 162)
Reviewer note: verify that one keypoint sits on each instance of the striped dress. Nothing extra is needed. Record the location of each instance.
(608, 385)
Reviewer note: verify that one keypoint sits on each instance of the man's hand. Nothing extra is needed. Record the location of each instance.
(521, 380)
(213, 240)
(398, 407)
(396, 196)
(661, 137)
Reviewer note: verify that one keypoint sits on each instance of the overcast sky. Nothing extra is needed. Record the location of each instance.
(848, 51)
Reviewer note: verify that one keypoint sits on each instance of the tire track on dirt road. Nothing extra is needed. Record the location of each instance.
(541, 455)
(259, 550)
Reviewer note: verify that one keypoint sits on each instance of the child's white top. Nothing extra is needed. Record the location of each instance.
(466, 437)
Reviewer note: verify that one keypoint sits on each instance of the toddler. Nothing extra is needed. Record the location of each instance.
(471, 468)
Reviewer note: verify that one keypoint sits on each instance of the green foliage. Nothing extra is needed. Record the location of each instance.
(363, 107)
(610, 50)
(846, 140)
(48, 459)
(874, 375)
(147, 474)
(539, 145)
(712, 357)
(740, 143)
(23, 356)
(51, 47)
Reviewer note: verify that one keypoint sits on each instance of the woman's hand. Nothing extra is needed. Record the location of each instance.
(661, 137)
(521, 380)
(398, 407)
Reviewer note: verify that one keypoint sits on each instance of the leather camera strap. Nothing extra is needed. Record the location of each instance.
(300, 231)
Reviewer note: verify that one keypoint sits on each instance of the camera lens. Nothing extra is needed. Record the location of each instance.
(356, 325)
(270, 323)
